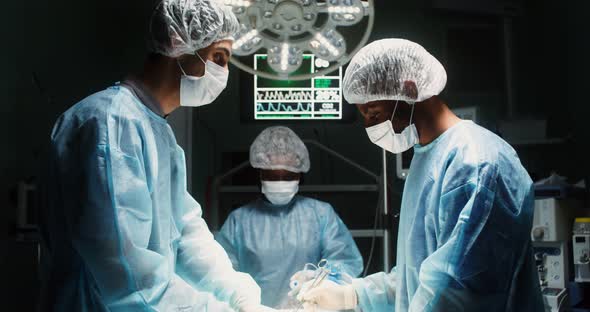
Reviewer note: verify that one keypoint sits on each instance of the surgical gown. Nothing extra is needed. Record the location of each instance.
(272, 243)
(123, 234)
(464, 236)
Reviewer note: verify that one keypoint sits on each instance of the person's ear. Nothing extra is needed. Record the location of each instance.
(363, 108)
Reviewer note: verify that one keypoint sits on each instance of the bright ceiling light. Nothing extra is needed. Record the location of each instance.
(287, 28)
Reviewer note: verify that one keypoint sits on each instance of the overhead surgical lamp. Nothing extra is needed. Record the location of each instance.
(288, 28)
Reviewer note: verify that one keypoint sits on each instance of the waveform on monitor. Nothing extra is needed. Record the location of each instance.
(280, 107)
(284, 95)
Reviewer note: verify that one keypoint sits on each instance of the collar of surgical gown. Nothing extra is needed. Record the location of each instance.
(265, 205)
(143, 94)
(425, 148)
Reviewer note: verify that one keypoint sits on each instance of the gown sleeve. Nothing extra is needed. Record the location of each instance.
(110, 229)
(338, 246)
(482, 240)
(203, 263)
(376, 292)
(227, 238)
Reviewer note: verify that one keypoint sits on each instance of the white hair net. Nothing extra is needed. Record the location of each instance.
(393, 69)
(279, 148)
(184, 26)
(230, 26)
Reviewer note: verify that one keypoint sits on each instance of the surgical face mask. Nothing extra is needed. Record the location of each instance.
(385, 137)
(199, 91)
(280, 192)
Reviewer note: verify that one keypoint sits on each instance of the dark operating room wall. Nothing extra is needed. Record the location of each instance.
(577, 61)
(550, 60)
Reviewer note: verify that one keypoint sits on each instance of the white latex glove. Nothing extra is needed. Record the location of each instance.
(298, 279)
(329, 295)
(247, 294)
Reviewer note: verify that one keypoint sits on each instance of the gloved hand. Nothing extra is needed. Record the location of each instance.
(298, 279)
(329, 295)
(247, 296)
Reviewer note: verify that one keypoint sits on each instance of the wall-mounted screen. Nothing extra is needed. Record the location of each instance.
(319, 98)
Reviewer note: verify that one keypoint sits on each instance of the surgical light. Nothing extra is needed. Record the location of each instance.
(288, 28)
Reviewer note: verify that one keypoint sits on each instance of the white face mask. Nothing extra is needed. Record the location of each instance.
(199, 91)
(385, 137)
(280, 192)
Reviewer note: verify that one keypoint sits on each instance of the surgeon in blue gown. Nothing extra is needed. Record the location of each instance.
(122, 233)
(273, 237)
(467, 206)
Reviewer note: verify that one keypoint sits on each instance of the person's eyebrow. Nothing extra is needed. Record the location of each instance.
(227, 52)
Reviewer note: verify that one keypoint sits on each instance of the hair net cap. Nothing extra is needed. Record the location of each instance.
(393, 69)
(182, 27)
(230, 26)
(279, 148)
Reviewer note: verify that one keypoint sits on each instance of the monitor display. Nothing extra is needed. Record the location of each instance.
(319, 98)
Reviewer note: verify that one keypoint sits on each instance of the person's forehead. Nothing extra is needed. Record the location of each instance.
(386, 104)
(278, 171)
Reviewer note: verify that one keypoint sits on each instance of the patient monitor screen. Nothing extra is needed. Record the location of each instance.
(318, 98)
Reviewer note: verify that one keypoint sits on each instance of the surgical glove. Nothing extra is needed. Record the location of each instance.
(329, 295)
(246, 292)
(298, 279)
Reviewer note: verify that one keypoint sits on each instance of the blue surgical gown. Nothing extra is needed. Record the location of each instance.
(123, 232)
(464, 231)
(272, 243)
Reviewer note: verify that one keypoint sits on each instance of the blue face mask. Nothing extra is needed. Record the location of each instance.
(280, 192)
